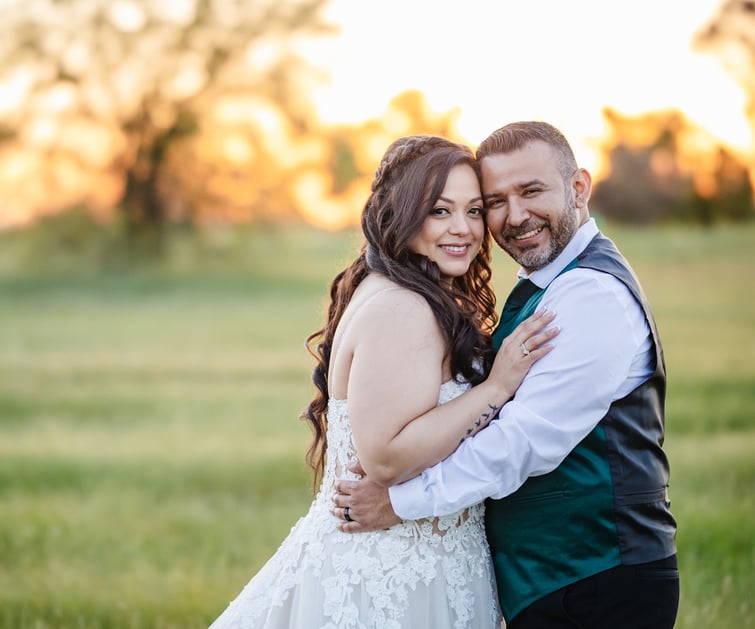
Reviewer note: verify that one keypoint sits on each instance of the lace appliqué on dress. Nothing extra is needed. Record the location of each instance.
(434, 573)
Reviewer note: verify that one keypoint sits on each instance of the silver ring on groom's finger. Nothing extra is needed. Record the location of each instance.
(525, 351)
(346, 515)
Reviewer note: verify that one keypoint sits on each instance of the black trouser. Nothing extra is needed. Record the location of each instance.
(643, 596)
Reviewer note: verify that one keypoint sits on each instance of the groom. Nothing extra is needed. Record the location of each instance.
(578, 515)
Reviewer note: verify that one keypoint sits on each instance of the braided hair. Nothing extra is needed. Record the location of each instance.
(407, 184)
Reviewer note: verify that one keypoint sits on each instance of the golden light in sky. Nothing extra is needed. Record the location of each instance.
(394, 67)
(504, 60)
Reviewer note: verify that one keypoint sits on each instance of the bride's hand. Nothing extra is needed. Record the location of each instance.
(529, 342)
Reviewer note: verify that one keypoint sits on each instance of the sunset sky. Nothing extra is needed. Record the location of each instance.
(480, 63)
(503, 60)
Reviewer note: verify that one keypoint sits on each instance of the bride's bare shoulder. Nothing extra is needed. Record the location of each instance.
(379, 297)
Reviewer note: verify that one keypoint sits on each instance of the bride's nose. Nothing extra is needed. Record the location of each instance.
(459, 223)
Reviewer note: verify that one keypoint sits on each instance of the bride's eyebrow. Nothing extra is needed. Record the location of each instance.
(447, 200)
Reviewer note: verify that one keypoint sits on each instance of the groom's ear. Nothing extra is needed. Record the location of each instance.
(582, 187)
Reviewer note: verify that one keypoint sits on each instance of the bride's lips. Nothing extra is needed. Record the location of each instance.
(456, 250)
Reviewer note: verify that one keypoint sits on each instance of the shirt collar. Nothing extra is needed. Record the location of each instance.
(542, 277)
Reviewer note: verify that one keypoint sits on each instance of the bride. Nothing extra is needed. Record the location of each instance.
(400, 382)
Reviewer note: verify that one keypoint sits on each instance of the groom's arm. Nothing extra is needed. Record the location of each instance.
(562, 398)
(596, 357)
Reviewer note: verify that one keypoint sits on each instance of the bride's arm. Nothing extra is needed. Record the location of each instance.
(394, 383)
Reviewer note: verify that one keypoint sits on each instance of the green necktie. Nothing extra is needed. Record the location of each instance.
(518, 297)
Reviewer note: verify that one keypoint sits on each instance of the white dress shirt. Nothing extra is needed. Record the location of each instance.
(603, 352)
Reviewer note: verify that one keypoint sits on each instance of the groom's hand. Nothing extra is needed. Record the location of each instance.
(369, 505)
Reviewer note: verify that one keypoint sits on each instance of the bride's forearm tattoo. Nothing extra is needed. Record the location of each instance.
(482, 421)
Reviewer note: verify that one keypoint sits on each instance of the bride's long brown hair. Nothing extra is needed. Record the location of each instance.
(411, 177)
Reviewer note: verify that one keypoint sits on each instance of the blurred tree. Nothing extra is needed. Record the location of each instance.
(661, 168)
(730, 33)
(630, 193)
(99, 93)
(331, 190)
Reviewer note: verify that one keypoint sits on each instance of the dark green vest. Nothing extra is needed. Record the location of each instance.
(606, 504)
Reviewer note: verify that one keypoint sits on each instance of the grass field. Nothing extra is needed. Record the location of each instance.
(151, 456)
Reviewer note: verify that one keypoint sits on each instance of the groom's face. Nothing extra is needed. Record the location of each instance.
(531, 212)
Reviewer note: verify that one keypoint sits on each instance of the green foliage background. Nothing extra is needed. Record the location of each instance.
(151, 458)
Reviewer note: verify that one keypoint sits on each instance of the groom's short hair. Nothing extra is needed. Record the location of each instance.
(517, 135)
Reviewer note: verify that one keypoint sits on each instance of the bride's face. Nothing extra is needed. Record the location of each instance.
(452, 233)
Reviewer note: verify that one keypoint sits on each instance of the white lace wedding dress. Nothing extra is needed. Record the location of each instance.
(426, 574)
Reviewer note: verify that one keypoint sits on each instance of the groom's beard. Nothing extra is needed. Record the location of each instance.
(561, 232)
